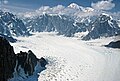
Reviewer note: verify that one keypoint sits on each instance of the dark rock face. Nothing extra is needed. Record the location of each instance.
(7, 60)
(27, 61)
(11, 62)
(43, 62)
(114, 44)
(103, 26)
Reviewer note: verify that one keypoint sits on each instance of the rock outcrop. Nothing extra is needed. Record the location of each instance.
(115, 44)
(7, 60)
(11, 62)
(27, 61)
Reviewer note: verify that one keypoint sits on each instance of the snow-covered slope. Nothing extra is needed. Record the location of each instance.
(71, 59)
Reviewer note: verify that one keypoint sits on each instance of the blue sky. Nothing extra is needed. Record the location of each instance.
(35, 4)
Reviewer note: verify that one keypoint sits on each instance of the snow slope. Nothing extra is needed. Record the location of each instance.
(71, 59)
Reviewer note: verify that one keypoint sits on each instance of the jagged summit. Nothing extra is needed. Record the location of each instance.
(105, 17)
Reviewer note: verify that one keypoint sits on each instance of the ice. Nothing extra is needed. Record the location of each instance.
(71, 59)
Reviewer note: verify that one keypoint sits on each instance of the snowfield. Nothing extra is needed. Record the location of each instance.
(71, 59)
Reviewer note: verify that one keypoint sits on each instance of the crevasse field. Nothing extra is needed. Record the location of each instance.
(71, 59)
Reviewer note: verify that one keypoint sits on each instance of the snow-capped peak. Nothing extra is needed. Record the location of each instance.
(74, 6)
(104, 15)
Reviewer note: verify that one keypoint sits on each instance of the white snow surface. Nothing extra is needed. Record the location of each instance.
(71, 59)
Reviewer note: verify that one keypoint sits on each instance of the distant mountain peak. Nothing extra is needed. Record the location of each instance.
(106, 15)
(74, 6)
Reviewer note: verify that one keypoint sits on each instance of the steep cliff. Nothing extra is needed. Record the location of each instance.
(21, 65)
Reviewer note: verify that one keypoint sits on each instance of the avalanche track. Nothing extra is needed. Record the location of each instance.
(71, 59)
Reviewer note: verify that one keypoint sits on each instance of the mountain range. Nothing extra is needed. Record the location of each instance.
(10, 25)
(66, 21)
(66, 58)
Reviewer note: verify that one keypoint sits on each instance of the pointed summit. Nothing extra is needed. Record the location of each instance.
(74, 6)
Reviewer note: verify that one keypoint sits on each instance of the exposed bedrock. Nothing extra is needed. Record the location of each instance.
(11, 62)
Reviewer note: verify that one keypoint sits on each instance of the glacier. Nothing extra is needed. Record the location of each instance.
(71, 59)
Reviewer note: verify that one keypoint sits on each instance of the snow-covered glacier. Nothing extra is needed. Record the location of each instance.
(71, 59)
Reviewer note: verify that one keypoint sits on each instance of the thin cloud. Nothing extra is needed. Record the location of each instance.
(103, 5)
(16, 8)
(5, 1)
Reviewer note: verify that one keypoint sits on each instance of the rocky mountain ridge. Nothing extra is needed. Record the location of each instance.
(97, 27)
(102, 26)
(11, 25)
(17, 66)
